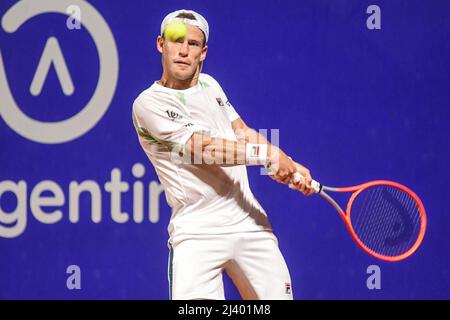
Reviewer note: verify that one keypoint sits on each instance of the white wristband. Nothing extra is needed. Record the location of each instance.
(255, 154)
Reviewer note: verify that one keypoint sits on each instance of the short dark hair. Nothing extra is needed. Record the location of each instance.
(186, 15)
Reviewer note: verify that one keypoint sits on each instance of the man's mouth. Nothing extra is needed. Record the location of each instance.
(182, 62)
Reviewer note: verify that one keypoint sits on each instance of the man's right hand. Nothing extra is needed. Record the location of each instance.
(280, 166)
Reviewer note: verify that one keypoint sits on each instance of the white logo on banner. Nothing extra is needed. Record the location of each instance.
(49, 202)
(87, 118)
(52, 54)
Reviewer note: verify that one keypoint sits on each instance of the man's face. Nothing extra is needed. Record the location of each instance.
(182, 58)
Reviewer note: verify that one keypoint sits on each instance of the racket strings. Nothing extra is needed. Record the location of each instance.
(385, 219)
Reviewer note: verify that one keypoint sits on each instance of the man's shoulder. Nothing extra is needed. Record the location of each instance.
(151, 95)
(207, 80)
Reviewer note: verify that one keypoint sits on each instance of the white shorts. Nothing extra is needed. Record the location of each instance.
(252, 260)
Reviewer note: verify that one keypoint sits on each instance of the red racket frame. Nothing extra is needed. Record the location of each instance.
(346, 215)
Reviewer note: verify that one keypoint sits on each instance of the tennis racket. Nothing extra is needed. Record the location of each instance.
(386, 219)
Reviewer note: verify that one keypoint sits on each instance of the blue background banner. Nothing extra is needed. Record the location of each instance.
(351, 103)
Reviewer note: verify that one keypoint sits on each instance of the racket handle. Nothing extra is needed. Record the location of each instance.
(314, 184)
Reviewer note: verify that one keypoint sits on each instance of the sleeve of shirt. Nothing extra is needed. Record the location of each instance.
(231, 112)
(229, 109)
(158, 119)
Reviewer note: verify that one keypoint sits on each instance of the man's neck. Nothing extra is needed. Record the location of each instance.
(176, 84)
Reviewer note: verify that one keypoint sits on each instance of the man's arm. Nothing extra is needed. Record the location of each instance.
(209, 150)
(204, 149)
(223, 152)
(281, 165)
(279, 173)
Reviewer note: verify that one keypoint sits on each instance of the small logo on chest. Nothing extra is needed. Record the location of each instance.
(173, 115)
(220, 102)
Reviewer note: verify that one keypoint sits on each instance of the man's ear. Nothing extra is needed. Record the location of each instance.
(203, 54)
(159, 44)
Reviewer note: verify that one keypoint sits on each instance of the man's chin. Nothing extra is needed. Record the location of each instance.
(183, 76)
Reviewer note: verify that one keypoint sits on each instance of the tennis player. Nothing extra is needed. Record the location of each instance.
(200, 148)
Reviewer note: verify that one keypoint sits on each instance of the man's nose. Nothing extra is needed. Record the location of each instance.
(184, 50)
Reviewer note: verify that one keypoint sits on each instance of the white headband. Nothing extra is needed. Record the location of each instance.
(200, 21)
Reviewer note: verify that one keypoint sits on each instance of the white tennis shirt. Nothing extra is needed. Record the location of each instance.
(205, 199)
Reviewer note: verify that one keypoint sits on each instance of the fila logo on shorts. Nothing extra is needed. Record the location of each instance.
(288, 288)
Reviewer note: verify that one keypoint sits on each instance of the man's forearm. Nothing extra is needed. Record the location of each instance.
(223, 152)
(249, 135)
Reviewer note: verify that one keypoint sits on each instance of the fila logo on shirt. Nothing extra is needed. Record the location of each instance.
(173, 115)
(220, 102)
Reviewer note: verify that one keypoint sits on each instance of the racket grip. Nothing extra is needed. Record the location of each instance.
(314, 184)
